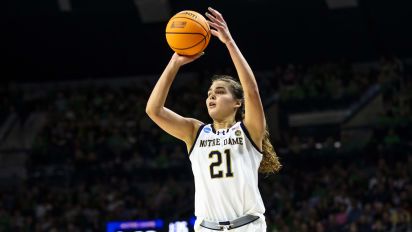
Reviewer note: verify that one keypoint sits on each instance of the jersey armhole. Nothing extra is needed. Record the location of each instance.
(249, 137)
(197, 136)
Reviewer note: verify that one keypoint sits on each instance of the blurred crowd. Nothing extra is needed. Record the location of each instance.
(356, 195)
(100, 158)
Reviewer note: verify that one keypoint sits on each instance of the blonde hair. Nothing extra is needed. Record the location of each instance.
(270, 162)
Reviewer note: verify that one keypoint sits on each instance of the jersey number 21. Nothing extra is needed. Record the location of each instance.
(216, 164)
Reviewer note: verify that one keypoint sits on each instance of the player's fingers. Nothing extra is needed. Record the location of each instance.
(215, 25)
(215, 13)
(216, 21)
(194, 57)
(212, 24)
(211, 17)
(214, 32)
(187, 59)
(221, 24)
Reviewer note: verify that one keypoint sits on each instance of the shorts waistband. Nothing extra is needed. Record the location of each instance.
(229, 225)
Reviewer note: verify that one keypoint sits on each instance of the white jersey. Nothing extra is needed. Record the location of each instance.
(225, 166)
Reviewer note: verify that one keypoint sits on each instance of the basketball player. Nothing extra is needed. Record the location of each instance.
(227, 154)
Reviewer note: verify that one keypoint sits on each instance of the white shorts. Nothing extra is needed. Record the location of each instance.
(256, 226)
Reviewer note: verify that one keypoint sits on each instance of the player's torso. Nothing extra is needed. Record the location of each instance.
(225, 165)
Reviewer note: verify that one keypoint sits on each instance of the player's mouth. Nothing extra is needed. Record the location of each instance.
(212, 105)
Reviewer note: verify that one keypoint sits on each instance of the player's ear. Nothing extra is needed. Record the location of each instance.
(238, 103)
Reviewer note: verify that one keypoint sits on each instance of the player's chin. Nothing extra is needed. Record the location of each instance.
(212, 112)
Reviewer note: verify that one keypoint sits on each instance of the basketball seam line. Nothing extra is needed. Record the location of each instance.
(204, 45)
(193, 21)
(189, 47)
(191, 33)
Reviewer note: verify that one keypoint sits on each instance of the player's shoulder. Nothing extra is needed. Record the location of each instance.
(196, 125)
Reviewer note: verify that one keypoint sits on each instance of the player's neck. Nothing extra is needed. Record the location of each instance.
(223, 124)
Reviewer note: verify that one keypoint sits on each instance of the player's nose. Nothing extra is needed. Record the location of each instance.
(212, 97)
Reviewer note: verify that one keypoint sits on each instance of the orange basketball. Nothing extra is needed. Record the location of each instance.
(188, 33)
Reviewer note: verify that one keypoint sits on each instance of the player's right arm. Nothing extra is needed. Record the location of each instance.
(176, 125)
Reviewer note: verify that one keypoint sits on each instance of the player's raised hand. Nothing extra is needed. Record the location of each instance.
(218, 25)
(182, 60)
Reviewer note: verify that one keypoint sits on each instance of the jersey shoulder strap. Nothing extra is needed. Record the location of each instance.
(197, 136)
(245, 130)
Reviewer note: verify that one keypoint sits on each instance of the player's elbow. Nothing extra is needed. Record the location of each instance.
(150, 110)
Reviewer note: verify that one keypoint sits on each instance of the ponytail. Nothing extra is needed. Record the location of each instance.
(270, 162)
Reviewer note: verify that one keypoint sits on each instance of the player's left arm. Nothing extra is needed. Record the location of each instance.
(254, 114)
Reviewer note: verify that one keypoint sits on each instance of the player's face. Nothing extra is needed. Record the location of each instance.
(220, 102)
